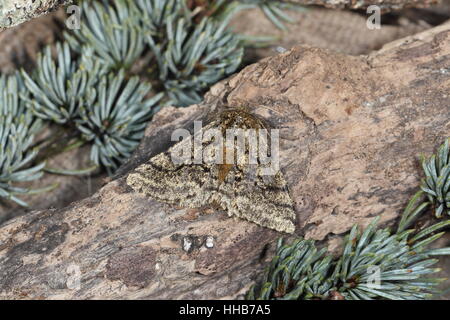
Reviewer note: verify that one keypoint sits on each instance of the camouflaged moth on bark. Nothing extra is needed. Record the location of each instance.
(219, 166)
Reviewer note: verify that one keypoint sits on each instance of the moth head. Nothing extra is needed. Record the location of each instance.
(240, 118)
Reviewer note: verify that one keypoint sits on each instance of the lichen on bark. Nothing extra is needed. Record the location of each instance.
(14, 12)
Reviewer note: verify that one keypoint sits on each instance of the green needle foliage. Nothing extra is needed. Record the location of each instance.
(153, 14)
(108, 111)
(111, 28)
(195, 57)
(17, 129)
(116, 121)
(60, 88)
(436, 184)
(191, 55)
(375, 264)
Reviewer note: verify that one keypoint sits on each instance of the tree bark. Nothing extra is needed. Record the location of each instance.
(385, 5)
(351, 131)
(14, 12)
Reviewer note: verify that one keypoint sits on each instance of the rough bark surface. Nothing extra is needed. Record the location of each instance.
(352, 129)
(14, 12)
(385, 5)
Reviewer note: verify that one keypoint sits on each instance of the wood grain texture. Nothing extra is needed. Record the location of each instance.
(352, 129)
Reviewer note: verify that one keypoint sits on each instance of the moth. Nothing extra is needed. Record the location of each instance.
(223, 170)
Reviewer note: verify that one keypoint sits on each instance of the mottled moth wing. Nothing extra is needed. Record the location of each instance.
(265, 203)
(242, 190)
(191, 185)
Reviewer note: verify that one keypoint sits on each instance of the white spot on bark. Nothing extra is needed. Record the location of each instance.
(209, 243)
(187, 244)
(280, 49)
